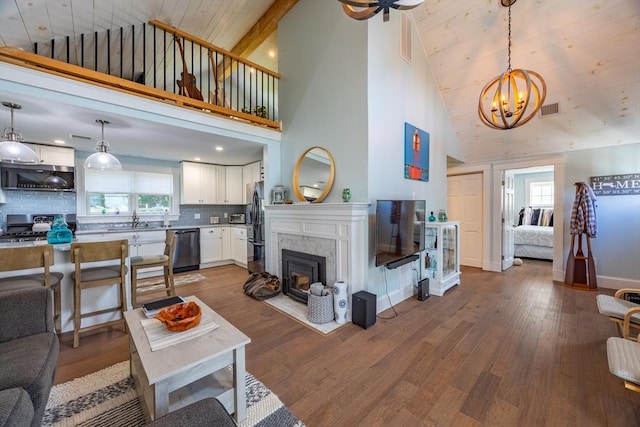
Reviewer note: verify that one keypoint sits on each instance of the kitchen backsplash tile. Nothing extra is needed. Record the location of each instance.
(36, 202)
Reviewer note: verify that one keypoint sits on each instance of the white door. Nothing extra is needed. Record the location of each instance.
(508, 214)
(464, 204)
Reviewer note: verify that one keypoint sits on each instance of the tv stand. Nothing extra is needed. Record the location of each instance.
(402, 261)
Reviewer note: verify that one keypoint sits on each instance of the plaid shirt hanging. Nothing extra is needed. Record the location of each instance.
(583, 215)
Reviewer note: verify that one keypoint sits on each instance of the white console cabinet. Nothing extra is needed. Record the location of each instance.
(441, 258)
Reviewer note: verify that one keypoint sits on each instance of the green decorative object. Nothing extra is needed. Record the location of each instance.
(442, 215)
(346, 195)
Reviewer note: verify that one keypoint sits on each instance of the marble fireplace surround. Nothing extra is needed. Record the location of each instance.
(337, 231)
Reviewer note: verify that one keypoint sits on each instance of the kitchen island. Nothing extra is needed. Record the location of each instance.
(96, 298)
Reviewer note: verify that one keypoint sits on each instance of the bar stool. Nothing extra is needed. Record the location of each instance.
(96, 275)
(164, 260)
(32, 257)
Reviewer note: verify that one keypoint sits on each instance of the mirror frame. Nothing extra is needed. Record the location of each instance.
(296, 176)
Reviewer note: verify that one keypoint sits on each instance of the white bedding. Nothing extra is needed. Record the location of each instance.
(533, 241)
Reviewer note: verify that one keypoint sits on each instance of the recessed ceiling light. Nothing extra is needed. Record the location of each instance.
(218, 148)
(59, 141)
(197, 159)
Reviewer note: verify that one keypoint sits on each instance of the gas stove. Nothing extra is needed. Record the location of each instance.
(20, 227)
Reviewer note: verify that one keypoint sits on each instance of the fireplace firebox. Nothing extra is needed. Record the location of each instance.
(299, 271)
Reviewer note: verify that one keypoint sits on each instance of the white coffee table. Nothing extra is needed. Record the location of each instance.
(175, 376)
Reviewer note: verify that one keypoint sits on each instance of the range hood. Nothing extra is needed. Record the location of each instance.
(37, 177)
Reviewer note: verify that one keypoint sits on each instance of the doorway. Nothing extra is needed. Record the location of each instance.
(528, 214)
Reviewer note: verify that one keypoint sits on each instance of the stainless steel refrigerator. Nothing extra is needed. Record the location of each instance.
(255, 232)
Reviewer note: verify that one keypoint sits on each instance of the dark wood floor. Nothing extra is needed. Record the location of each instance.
(509, 349)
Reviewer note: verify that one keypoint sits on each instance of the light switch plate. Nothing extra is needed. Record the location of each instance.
(196, 216)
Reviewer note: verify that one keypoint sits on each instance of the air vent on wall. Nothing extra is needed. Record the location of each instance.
(405, 48)
(547, 110)
(74, 136)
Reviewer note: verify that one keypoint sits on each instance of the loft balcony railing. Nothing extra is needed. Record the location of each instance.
(162, 62)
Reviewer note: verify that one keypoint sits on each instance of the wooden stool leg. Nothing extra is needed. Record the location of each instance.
(76, 315)
(168, 281)
(57, 304)
(134, 285)
(123, 301)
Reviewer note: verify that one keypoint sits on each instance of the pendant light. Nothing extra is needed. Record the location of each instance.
(102, 160)
(12, 150)
(514, 97)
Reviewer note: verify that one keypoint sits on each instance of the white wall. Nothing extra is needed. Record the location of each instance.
(345, 87)
(323, 92)
(617, 244)
(400, 92)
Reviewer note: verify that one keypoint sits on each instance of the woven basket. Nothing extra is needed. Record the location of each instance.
(320, 309)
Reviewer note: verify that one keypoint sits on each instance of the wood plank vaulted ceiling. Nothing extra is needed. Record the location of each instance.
(588, 52)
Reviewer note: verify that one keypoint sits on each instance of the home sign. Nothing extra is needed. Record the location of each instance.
(616, 185)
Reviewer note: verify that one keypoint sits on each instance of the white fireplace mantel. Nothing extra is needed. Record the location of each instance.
(346, 224)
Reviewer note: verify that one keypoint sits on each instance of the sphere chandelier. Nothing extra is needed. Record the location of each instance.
(514, 97)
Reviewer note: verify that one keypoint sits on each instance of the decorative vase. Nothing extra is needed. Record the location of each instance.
(432, 217)
(340, 302)
(59, 232)
(346, 195)
(442, 215)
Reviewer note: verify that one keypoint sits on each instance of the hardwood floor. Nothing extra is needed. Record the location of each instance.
(501, 349)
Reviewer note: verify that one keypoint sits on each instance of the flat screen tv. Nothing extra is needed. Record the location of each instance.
(399, 229)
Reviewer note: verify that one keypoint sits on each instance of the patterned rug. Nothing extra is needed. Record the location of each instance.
(108, 398)
(157, 283)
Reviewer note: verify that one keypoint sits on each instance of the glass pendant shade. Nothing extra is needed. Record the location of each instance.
(102, 160)
(12, 150)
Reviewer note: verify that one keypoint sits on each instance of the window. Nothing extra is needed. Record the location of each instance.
(541, 194)
(123, 191)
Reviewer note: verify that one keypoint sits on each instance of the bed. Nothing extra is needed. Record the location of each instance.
(533, 237)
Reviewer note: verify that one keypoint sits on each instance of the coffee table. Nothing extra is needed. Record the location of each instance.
(212, 364)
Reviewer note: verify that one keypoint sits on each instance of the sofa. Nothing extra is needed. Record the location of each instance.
(29, 350)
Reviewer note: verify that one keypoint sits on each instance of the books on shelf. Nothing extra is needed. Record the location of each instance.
(160, 337)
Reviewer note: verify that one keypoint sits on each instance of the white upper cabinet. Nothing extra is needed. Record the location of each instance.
(229, 181)
(50, 155)
(198, 184)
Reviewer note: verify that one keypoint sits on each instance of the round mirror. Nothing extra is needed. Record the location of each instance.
(313, 175)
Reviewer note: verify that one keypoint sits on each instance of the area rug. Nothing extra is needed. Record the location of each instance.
(298, 311)
(108, 398)
(157, 283)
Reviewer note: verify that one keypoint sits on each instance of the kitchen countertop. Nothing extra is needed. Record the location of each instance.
(139, 229)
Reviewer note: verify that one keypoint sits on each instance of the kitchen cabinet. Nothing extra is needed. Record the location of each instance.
(215, 246)
(198, 184)
(50, 155)
(239, 245)
(250, 173)
(229, 182)
(441, 257)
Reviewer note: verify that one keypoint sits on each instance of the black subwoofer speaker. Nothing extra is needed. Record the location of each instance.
(363, 305)
(423, 289)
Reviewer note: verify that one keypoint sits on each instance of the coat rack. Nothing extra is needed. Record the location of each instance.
(581, 269)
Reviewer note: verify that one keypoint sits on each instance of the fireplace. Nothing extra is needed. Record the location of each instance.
(299, 271)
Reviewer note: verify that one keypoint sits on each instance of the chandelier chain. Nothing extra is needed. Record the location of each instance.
(509, 38)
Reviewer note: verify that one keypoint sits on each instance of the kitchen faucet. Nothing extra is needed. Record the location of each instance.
(135, 220)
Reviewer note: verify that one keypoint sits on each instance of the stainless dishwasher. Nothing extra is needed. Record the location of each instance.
(187, 254)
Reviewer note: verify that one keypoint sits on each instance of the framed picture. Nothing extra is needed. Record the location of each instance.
(416, 153)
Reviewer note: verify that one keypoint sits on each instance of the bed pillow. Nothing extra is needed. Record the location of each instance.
(546, 219)
(535, 216)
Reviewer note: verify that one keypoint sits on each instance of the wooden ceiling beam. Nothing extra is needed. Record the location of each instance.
(266, 25)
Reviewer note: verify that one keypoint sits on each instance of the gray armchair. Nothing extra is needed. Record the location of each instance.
(29, 350)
